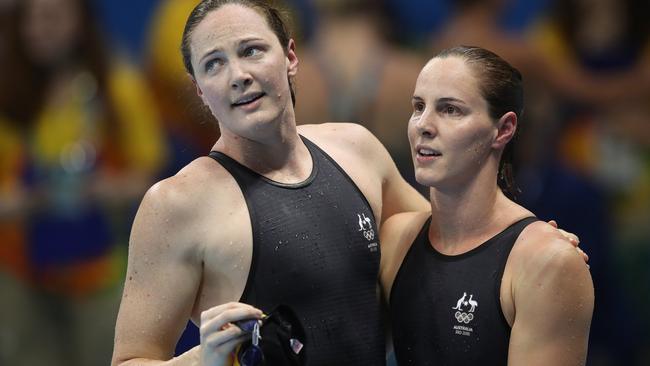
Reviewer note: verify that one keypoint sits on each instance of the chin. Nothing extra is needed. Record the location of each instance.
(427, 180)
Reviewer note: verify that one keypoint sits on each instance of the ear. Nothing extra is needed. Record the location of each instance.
(506, 128)
(292, 58)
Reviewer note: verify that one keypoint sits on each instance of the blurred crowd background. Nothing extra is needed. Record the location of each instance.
(95, 106)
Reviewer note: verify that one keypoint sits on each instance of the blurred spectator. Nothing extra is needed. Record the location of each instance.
(190, 128)
(478, 23)
(80, 144)
(349, 71)
(606, 144)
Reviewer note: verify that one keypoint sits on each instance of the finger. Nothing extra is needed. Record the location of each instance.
(571, 237)
(584, 255)
(227, 316)
(224, 341)
(553, 223)
(216, 310)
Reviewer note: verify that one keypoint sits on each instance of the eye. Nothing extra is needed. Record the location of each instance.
(418, 107)
(451, 110)
(212, 65)
(252, 51)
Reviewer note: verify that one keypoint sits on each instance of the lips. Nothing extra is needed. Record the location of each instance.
(427, 152)
(247, 99)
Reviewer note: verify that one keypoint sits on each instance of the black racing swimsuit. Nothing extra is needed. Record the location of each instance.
(445, 310)
(315, 248)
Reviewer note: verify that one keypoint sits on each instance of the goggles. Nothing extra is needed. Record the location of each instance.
(277, 339)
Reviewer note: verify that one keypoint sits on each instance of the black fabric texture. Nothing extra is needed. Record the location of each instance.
(315, 249)
(445, 310)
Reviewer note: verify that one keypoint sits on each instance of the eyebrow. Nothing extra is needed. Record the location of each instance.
(210, 53)
(416, 98)
(449, 99)
(239, 43)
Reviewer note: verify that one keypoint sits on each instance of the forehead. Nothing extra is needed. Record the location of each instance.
(447, 77)
(229, 23)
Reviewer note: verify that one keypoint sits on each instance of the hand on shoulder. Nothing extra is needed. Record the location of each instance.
(542, 244)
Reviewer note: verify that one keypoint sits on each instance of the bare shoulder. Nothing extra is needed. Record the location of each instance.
(175, 197)
(397, 234)
(344, 134)
(174, 208)
(543, 260)
(541, 245)
(349, 142)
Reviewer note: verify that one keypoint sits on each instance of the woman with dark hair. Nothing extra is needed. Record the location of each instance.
(479, 280)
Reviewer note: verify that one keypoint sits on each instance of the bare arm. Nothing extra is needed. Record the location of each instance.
(162, 279)
(397, 234)
(397, 194)
(554, 300)
(370, 165)
(166, 281)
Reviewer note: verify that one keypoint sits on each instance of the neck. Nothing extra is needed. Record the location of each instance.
(279, 155)
(465, 217)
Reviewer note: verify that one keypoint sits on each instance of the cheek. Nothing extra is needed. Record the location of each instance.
(477, 145)
(411, 131)
(274, 76)
(216, 101)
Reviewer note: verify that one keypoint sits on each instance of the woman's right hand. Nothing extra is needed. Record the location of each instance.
(219, 336)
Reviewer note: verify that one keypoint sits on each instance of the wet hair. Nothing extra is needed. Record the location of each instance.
(502, 87)
(272, 15)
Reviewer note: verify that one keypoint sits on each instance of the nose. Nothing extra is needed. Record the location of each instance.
(240, 78)
(425, 126)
